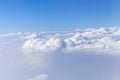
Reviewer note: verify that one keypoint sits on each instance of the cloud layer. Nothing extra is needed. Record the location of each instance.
(95, 41)
(31, 50)
(90, 41)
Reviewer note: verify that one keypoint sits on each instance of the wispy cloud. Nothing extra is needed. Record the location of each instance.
(40, 77)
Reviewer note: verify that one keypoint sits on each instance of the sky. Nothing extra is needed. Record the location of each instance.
(55, 15)
(59, 40)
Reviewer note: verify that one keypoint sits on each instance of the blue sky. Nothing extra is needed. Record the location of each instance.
(50, 15)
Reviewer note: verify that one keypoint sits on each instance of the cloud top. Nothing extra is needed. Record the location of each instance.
(96, 41)
(91, 41)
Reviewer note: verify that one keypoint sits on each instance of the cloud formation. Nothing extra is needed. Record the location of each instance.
(90, 41)
(40, 77)
(95, 41)
(25, 51)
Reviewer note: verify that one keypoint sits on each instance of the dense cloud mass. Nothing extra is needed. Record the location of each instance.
(90, 41)
(21, 52)
(96, 41)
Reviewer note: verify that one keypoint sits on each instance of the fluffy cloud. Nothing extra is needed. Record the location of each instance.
(91, 41)
(18, 51)
(95, 41)
(40, 77)
(33, 50)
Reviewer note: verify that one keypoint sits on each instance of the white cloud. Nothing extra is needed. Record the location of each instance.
(18, 51)
(38, 45)
(35, 47)
(40, 77)
(92, 40)
(95, 41)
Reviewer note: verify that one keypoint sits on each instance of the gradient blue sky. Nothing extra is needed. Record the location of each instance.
(49, 15)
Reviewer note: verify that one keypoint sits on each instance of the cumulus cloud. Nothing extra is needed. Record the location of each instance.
(90, 41)
(26, 49)
(96, 41)
(40, 77)
(35, 48)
